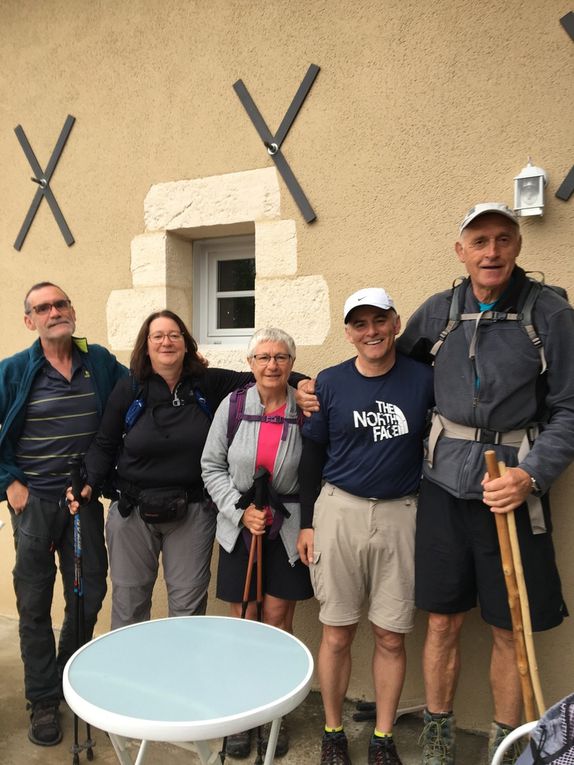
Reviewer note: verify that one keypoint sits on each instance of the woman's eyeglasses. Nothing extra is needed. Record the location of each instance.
(264, 358)
(159, 337)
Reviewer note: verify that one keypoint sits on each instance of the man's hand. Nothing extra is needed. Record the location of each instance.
(254, 520)
(17, 494)
(305, 397)
(305, 545)
(508, 492)
(73, 504)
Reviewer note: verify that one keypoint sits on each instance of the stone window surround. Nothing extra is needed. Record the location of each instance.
(178, 212)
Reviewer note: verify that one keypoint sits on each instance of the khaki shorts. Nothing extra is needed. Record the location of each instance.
(364, 548)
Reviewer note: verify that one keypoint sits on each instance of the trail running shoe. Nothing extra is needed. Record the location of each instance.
(382, 751)
(335, 749)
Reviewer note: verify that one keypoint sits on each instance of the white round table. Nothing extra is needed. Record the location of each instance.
(187, 679)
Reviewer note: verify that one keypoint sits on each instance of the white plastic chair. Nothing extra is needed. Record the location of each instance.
(507, 742)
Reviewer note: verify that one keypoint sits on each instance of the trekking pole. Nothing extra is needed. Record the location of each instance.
(524, 607)
(513, 597)
(260, 481)
(80, 625)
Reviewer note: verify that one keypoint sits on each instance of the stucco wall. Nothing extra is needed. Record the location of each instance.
(419, 110)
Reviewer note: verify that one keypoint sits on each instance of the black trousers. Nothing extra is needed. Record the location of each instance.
(41, 530)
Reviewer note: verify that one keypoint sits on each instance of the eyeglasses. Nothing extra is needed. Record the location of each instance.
(264, 358)
(44, 308)
(159, 337)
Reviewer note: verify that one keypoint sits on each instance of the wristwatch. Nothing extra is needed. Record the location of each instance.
(534, 486)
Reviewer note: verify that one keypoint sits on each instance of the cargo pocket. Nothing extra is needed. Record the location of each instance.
(316, 573)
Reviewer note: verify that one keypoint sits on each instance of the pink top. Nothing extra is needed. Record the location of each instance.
(267, 446)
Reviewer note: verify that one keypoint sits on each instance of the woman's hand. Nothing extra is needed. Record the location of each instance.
(73, 504)
(254, 520)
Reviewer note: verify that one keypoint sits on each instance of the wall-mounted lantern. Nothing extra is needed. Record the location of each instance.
(529, 190)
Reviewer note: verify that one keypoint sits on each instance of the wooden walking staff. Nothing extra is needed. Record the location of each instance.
(513, 598)
(524, 606)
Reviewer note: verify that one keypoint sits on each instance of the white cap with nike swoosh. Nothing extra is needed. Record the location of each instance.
(373, 296)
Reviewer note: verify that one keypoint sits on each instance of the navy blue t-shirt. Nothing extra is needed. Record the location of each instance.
(373, 427)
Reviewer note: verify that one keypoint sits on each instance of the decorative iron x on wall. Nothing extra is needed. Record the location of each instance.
(567, 185)
(43, 180)
(273, 142)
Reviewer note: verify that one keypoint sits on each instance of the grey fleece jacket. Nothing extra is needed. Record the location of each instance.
(227, 471)
(501, 390)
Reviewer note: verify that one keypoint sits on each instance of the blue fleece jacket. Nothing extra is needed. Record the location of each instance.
(17, 374)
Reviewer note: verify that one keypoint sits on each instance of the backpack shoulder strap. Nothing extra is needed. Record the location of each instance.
(237, 414)
(236, 411)
(526, 322)
(136, 405)
(201, 401)
(456, 302)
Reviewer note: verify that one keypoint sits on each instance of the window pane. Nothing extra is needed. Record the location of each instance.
(233, 275)
(235, 313)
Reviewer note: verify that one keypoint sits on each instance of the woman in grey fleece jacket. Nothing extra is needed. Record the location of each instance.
(228, 470)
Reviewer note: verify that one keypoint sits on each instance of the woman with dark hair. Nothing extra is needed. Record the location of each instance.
(153, 431)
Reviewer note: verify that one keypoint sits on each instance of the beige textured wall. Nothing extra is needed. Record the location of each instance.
(419, 110)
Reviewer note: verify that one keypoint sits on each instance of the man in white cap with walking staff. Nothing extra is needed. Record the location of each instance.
(502, 346)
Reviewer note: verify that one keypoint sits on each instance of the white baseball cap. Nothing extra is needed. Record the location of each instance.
(373, 296)
(482, 208)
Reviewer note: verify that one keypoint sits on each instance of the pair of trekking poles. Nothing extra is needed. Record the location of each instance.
(534, 706)
(260, 500)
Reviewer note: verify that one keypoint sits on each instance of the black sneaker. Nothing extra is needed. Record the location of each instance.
(239, 745)
(44, 727)
(382, 751)
(335, 749)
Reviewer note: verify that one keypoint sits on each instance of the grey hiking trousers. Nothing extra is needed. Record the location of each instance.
(134, 548)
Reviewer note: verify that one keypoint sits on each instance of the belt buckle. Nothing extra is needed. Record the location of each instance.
(487, 436)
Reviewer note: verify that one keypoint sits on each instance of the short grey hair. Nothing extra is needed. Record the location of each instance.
(271, 335)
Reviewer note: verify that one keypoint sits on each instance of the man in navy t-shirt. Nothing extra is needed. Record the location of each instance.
(357, 531)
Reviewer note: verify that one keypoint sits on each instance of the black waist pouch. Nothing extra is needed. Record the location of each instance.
(164, 505)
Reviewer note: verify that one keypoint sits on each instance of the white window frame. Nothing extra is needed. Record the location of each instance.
(207, 253)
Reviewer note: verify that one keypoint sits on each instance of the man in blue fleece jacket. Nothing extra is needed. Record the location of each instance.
(52, 396)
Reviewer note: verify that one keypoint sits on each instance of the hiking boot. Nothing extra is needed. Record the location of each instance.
(438, 739)
(239, 745)
(498, 733)
(282, 739)
(335, 749)
(382, 751)
(44, 727)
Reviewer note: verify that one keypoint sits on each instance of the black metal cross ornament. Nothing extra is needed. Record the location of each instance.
(566, 188)
(273, 142)
(42, 178)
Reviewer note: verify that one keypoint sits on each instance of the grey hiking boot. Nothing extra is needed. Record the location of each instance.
(498, 733)
(438, 739)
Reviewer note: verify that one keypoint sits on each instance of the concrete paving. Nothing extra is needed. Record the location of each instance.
(305, 725)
